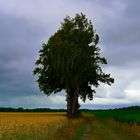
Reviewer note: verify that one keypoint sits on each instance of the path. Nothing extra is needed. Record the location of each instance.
(92, 128)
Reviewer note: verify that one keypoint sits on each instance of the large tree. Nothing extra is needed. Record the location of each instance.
(70, 61)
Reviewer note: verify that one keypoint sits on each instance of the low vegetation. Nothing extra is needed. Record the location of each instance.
(91, 125)
(30, 126)
(130, 114)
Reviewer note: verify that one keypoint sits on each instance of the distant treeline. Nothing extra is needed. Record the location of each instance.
(20, 109)
(123, 108)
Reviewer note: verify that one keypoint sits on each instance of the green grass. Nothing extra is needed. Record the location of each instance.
(89, 127)
(131, 116)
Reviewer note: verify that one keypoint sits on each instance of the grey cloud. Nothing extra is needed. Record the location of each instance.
(34, 101)
(132, 9)
(120, 35)
(25, 25)
(19, 42)
(17, 37)
(122, 56)
(122, 32)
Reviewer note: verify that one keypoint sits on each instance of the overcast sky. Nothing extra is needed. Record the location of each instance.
(26, 24)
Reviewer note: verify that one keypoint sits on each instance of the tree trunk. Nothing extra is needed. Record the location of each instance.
(72, 105)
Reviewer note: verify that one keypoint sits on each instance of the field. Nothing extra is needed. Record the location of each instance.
(55, 126)
(30, 126)
(130, 116)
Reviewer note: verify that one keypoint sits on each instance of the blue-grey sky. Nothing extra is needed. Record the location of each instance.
(26, 24)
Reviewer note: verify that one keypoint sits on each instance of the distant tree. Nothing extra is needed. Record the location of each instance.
(70, 61)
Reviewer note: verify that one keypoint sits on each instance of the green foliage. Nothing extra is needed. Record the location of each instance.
(70, 60)
(119, 115)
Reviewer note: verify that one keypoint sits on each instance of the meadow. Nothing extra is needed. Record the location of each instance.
(130, 116)
(56, 126)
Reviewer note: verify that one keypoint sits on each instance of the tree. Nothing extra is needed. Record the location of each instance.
(70, 61)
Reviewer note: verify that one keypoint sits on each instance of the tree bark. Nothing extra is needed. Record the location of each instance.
(72, 104)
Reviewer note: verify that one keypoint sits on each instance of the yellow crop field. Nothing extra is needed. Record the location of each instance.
(30, 126)
(56, 126)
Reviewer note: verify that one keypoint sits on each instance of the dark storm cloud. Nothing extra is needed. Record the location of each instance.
(19, 40)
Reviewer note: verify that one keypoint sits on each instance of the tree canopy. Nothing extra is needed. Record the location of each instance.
(71, 61)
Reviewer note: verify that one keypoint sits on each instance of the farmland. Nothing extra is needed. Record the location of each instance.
(130, 116)
(56, 126)
(33, 126)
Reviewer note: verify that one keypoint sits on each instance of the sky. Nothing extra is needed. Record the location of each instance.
(26, 24)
